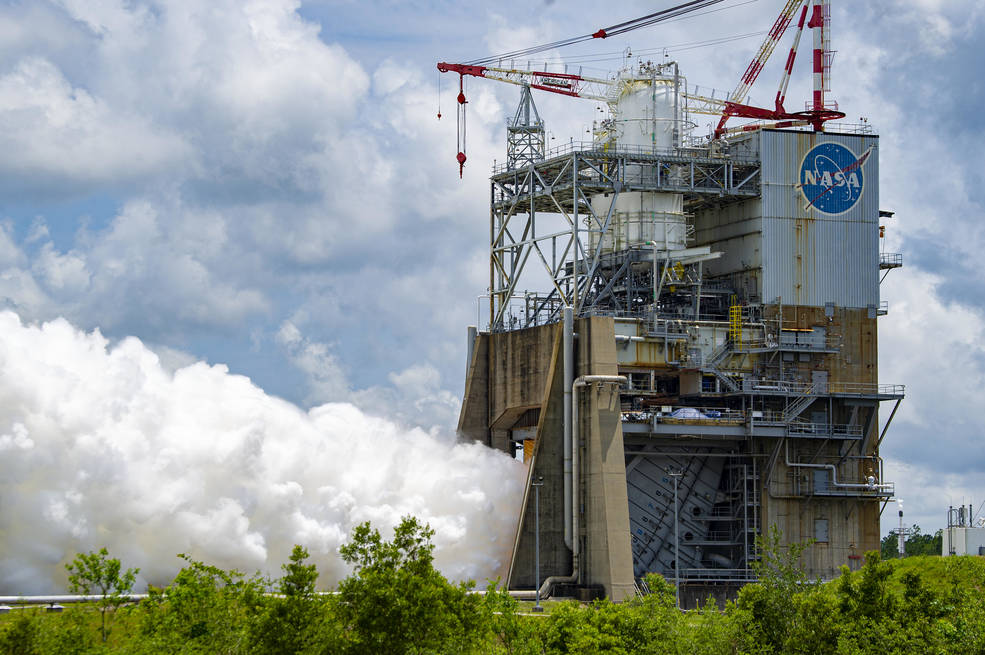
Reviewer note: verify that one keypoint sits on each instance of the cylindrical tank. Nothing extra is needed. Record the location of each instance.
(645, 118)
(645, 112)
(640, 218)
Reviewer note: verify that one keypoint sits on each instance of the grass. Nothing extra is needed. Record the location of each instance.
(939, 574)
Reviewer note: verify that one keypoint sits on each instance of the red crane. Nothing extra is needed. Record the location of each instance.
(816, 113)
(477, 67)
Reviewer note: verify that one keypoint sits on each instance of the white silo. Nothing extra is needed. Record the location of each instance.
(646, 117)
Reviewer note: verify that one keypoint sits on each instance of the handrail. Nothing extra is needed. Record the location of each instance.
(794, 387)
(890, 259)
(621, 150)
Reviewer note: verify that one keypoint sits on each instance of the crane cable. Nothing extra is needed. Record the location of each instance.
(677, 47)
(612, 30)
(605, 32)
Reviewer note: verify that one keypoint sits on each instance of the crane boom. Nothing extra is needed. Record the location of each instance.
(568, 84)
(564, 84)
(765, 50)
(817, 112)
(576, 86)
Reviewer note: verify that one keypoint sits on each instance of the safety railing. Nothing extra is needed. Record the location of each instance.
(691, 415)
(890, 259)
(825, 429)
(788, 387)
(717, 575)
(774, 386)
(626, 150)
(866, 389)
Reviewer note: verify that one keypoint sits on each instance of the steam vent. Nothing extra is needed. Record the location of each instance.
(704, 327)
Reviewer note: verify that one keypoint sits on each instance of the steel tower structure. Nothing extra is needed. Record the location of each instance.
(674, 319)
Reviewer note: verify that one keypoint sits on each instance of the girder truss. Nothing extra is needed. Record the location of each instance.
(562, 186)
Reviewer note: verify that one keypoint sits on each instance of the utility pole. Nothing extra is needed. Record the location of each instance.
(676, 475)
(537, 484)
(901, 532)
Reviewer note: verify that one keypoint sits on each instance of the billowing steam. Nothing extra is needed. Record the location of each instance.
(101, 446)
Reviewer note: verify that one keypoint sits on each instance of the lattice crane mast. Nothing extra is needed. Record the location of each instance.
(817, 111)
(555, 83)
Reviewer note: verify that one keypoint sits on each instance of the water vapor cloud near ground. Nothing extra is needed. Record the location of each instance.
(102, 446)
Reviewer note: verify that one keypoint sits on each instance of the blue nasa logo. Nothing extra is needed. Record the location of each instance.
(831, 178)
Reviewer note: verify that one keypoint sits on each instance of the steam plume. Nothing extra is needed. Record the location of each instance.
(101, 446)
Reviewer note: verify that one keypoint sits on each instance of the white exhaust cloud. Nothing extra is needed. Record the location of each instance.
(100, 445)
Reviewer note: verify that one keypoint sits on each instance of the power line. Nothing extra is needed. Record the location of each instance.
(677, 47)
(613, 30)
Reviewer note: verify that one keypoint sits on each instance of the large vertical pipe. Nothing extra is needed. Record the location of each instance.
(745, 513)
(575, 487)
(677, 547)
(569, 361)
(545, 588)
(537, 486)
(677, 93)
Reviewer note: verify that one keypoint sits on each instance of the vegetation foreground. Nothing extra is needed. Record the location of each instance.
(396, 602)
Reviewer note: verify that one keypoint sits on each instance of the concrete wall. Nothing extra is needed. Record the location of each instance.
(548, 464)
(473, 421)
(608, 556)
(515, 372)
(517, 375)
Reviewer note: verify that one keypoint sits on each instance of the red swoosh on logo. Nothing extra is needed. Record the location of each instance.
(847, 169)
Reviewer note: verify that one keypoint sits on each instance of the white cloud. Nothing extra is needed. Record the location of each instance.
(64, 132)
(936, 348)
(10, 252)
(413, 397)
(63, 273)
(944, 369)
(327, 380)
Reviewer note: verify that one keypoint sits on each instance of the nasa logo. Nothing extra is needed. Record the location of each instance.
(831, 178)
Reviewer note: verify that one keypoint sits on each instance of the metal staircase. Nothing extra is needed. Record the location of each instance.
(711, 366)
(800, 403)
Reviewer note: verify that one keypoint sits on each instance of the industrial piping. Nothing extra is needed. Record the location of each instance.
(571, 439)
(871, 484)
(569, 376)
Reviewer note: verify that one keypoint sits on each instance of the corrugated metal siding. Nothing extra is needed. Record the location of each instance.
(735, 230)
(809, 257)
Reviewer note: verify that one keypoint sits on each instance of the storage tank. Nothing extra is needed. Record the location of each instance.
(641, 218)
(645, 111)
(645, 115)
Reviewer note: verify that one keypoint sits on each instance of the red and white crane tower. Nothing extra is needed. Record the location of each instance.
(817, 111)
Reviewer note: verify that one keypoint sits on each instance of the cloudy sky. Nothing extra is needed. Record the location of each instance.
(264, 184)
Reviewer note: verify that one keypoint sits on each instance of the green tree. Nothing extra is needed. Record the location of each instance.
(395, 601)
(916, 543)
(514, 633)
(867, 594)
(20, 636)
(292, 621)
(603, 627)
(204, 609)
(661, 624)
(97, 572)
(876, 618)
(780, 577)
